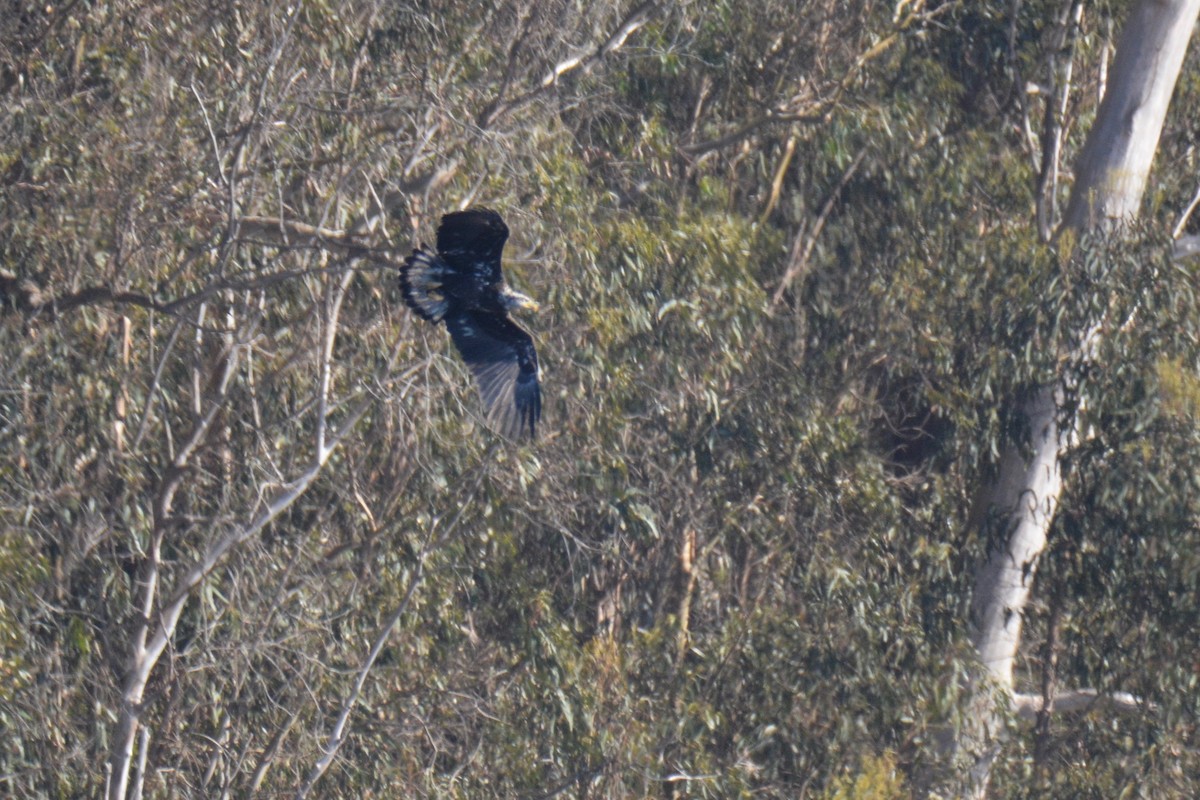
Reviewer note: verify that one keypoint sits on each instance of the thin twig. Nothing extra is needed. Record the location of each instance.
(802, 252)
(211, 133)
(152, 392)
(332, 307)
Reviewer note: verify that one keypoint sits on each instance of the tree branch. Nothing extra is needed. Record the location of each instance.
(26, 296)
(337, 735)
(798, 261)
(155, 631)
(1186, 247)
(761, 121)
(616, 40)
(1029, 706)
(146, 651)
(292, 233)
(1062, 63)
(1186, 215)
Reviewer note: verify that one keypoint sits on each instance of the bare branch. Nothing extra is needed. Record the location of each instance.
(143, 752)
(1177, 231)
(332, 307)
(337, 736)
(27, 297)
(147, 655)
(272, 750)
(1029, 706)
(583, 63)
(803, 246)
(1062, 64)
(152, 392)
(751, 127)
(292, 233)
(212, 136)
(789, 150)
(1186, 247)
(144, 656)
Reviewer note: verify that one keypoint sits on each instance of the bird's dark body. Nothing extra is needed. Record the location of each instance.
(463, 286)
(471, 242)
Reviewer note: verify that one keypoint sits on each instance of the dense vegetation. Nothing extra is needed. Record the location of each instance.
(792, 284)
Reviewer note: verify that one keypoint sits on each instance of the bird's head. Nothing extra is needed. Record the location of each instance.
(514, 300)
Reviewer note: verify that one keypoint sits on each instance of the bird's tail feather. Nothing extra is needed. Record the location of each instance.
(421, 280)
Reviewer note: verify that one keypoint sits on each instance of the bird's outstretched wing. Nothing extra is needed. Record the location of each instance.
(501, 356)
(472, 240)
(423, 278)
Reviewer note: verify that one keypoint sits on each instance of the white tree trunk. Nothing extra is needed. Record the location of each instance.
(1110, 179)
(1110, 176)
(1025, 494)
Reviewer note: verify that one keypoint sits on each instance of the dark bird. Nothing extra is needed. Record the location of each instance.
(463, 286)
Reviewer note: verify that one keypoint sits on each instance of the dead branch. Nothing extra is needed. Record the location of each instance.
(292, 233)
(773, 117)
(26, 296)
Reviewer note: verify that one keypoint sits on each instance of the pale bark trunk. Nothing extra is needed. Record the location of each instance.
(1026, 494)
(160, 613)
(1110, 178)
(1110, 175)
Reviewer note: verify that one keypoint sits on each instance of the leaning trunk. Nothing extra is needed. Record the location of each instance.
(1021, 501)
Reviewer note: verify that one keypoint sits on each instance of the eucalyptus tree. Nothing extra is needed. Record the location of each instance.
(1019, 504)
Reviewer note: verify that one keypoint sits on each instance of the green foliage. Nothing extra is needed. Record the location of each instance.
(1180, 388)
(878, 779)
(23, 571)
(738, 562)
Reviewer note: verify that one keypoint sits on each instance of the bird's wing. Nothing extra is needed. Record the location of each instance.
(502, 358)
(473, 240)
(422, 284)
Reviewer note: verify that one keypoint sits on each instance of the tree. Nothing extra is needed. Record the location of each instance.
(786, 272)
(1023, 498)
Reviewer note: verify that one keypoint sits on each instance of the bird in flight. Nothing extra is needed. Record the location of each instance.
(462, 285)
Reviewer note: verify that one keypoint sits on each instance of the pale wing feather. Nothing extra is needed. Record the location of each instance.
(501, 359)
